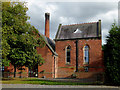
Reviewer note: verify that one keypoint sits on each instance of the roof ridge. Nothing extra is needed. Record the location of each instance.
(79, 24)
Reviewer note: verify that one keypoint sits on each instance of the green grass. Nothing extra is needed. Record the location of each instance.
(40, 82)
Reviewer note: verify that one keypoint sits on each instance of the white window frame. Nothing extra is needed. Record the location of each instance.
(84, 54)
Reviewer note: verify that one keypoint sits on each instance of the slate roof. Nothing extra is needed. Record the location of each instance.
(83, 30)
(50, 43)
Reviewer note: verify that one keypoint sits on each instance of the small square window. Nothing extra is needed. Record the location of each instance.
(86, 69)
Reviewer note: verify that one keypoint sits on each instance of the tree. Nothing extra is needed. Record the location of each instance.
(19, 38)
(112, 55)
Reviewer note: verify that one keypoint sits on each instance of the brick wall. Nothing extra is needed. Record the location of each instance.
(47, 69)
(95, 57)
(63, 70)
(9, 71)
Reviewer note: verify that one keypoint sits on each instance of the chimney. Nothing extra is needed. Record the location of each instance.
(47, 15)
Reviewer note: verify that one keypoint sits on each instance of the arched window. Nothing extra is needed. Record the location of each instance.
(86, 54)
(68, 48)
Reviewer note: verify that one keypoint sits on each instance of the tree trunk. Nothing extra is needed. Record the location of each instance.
(14, 71)
(21, 72)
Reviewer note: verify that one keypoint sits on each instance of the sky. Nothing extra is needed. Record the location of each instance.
(73, 12)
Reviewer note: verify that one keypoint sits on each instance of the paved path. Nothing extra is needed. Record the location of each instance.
(57, 86)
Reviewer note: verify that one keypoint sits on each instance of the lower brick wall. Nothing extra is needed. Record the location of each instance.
(9, 71)
(64, 72)
(94, 76)
(45, 75)
(68, 71)
(11, 74)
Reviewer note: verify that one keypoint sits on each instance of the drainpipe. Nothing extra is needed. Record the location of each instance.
(54, 66)
(99, 27)
(76, 55)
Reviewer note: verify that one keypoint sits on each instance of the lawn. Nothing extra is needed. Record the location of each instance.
(38, 81)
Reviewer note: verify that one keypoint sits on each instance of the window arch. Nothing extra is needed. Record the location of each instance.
(86, 54)
(68, 49)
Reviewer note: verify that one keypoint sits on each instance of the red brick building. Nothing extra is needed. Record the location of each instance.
(76, 52)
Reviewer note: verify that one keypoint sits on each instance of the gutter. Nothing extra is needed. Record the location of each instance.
(76, 55)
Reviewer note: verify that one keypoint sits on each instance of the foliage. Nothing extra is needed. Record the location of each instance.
(19, 38)
(112, 55)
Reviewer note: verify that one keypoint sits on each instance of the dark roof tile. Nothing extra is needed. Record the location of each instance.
(83, 30)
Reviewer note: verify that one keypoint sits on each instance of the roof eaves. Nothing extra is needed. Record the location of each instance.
(78, 38)
(48, 45)
(51, 49)
(58, 31)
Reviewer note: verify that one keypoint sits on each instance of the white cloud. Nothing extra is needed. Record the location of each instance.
(66, 20)
(71, 13)
(109, 16)
(104, 35)
(50, 8)
(43, 6)
(107, 19)
(75, 0)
